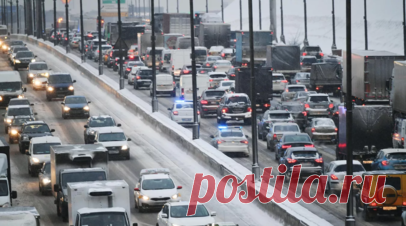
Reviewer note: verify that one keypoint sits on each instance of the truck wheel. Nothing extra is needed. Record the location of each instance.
(247, 121)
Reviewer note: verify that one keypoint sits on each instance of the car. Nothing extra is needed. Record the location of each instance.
(39, 151)
(231, 73)
(116, 66)
(187, 69)
(215, 78)
(227, 53)
(59, 85)
(395, 191)
(319, 105)
(269, 117)
(142, 77)
(209, 101)
(308, 157)
(279, 83)
(222, 66)
(204, 71)
(226, 85)
(130, 65)
(301, 78)
(16, 110)
(276, 132)
(236, 106)
(37, 68)
(298, 112)
(399, 133)
(174, 213)
(75, 106)
(301, 96)
(289, 140)
(312, 51)
(15, 127)
(306, 63)
(322, 129)
(113, 57)
(14, 50)
(40, 81)
(390, 159)
(155, 188)
(216, 50)
(132, 75)
(22, 59)
(96, 122)
(93, 46)
(210, 61)
(336, 171)
(32, 129)
(19, 101)
(10, 43)
(106, 55)
(44, 178)
(75, 43)
(290, 91)
(181, 112)
(114, 140)
(86, 46)
(231, 139)
(104, 48)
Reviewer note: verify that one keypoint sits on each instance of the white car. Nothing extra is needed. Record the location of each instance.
(114, 140)
(182, 112)
(215, 78)
(95, 53)
(40, 81)
(155, 188)
(174, 213)
(231, 139)
(37, 68)
(336, 171)
(222, 66)
(226, 85)
(279, 83)
(290, 91)
(39, 152)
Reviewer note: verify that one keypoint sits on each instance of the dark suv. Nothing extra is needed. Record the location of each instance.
(312, 51)
(59, 85)
(23, 59)
(236, 106)
(30, 130)
(209, 102)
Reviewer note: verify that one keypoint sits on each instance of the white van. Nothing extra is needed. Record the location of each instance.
(399, 135)
(179, 58)
(185, 42)
(164, 85)
(216, 50)
(165, 63)
(186, 85)
(11, 87)
(39, 151)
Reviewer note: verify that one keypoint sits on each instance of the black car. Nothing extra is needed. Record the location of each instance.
(312, 51)
(75, 106)
(143, 78)
(113, 57)
(59, 85)
(231, 73)
(23, 59)
(298, 112)
(209, 101)
(95, 122)
(130, 66)
(290, 140)
(32, 129)
(310, 159)
(15, 127)
(236, 106)
(306, 62)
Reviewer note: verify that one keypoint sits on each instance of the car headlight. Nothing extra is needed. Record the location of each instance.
(31, 75)
(50, 89)
(8, 121)
(4, 47)
(33, 60)
(8, 48)
(35, 160)
(124, 147)
(20, 96)
(1, 98)
(14, 132)
(86, 108)
(46, 181)
(66, 108)
(6, 204)
(175, 196)
(17, 61)
(46, 74)
(144, 197)
(71, 88)
(36, 82)
(91, 132)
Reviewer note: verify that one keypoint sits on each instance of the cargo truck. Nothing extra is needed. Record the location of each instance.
(166, 23)
(19, 216)
(5, 175)
(214, 34)
(397, 87)
(104, 202)
(263, 85)
(283, 59)
(129, 31)
(326, 78)
(144, 41)
(75, 163)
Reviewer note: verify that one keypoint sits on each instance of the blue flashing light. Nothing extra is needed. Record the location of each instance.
(179, 101)
(223, 127)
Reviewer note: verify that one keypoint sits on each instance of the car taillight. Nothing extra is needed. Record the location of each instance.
(304, 113)
(198, 112)
(403, 140)
(297, 81)
(162, 61)
(220, 141)
(111, 54)
(304, 54)
(147, 57)
(224, 110)
(301, 63)
(286, 146)
(267, 105)
(373, 204)
(317, 88)
(185, 71)
(173, 66)
(319, 160)
(223, 55)
(244, 141)
(131, 57)
(210, 80)
(313, 130)
(249, 109)
(336, 129)
(275, 137)
(183, 91)
(125, 62)
(138, 77)
(66, 39)
(128, 69)
(321, 54)
(331, 105)
(98, 51)
(208, 65)
(215, 67)
(385, 163)
(116, 59)
(309, 145)
(175, 113)
(284, 81)
(53, 36)
(287, 90)
(204, 102)
(307, 106)
(291, 160)
(333, 177)
(232, 75)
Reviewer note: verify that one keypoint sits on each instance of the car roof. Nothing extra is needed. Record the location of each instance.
(284, 123)
(318, 95)
(111, 129)
(18, 99)
(100, 116)
(223, 61)
(393, 150)
(295, 133)
(277, 74)
(39, 62)
(72, 96)
(59, 73)
(156, 176)
(301, 149)
(182, 203)
(344, 162)
(217, 73)
(278, 112)
(304, 57)
(45, 139)
(19, 106)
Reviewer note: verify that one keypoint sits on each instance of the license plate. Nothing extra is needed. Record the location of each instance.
(114, 152)
(213, 102)
(237, 111)
(400, 167)
(389, 208)
(307, 164)
(319, 107)
(367, 162)
(187, 119)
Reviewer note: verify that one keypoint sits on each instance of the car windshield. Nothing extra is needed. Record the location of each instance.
(38, 67)
(237, 99)
(20, 121)
(16, 43)
(398, 156)
(286, 128)
(181, 211)
(227, 83)
(157, 184)
(184, 106)
(312, 49)
(75, 100)
(215, 94)
(231, 70)
(302, 76)
(106, 137)
(81, 177)
(200, 52)
(304, 154)
(44, 148)
(19, 111)
(19, 102)
(47, 168)
(292, 108)
(222, 64)
(106, 47)
(319, 99)
(136, 63)
(278, 78)
(10, 86)
(309, 60)
(16, 50)
(218, 76)
(104, 218)
(24, 54)
(296, 88)
(36, 128)
(303, 94)
(59, 79)
(215, 58)
(3, 188)
(146, 72)
(231, 133)
(325, 122)
(343, 168)
(297, 138)
(101, 122)
(279, 115)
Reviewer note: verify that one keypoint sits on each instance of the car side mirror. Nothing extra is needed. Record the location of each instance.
(89, 102)
(35, 113)
(213, 214)
(62, 103)
(13, 194)
(73, 81)
(179, 187)
(24, 89)
(52, 130)
(86, 126)
(50, 69)
(31, 104)
(119, 125)
(246, 136)
(35, 56)
(169, 109)
(136, 189)
(128, 139)
(164, 215)
(56, 188)
(211, 136)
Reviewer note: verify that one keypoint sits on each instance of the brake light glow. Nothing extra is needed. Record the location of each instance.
(284, 81)
(385, 163)
(249, 109)
(185, 71)
(286, 146)
(331, 105)
(313, 130)
(267, 105)
(223, 55)
(291, 160)
(220, 141)
(309, 145)
(210, 80)
(131, 57)
(304, 113)
(333, 177)
(373, 204)
(175, 113)
(301, 63)
(226, 79)
(403, 140)
(183, 91)
(215, 67)
(138, 77)
(204, 102)
(98, 51)
(317, 88)
(198, 112)
(321, 54)
(128, 69)
(232, 75)
(111, 54)
(307, 106)
(304, 54)
(336, 129)
(208, 65)
(224, 110)
(244, 141)
(319, 160)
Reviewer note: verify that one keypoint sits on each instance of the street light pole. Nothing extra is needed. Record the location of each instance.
(240, 15)
(334, 26)
(154, 102)
(100, 34)
(167, 6)
(207, 6)
(67, 24)
(55, 25)
(39, 17)
(366, 24)
(195, 128)
(404, 27)
(177, 6)
(145, 6)
(255, 166)
(305, 41)
(260, 16)
(43, 19)
(34, 27)
(82, 30)
(18, 19)
(282, 33)
(222, 10)
(120, 50)
(11, 17)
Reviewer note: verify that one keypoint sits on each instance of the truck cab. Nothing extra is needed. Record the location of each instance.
(398, 138)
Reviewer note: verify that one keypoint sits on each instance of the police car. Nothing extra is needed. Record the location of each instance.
(231, 139)
(182, 112)
(154, 189)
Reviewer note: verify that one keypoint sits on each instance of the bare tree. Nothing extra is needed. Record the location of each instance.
(295, 41)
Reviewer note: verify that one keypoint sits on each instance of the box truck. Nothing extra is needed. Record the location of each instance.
(283, 59)
(5, 175)
(19, 216)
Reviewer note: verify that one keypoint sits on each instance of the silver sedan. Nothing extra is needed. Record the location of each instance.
(231, 139)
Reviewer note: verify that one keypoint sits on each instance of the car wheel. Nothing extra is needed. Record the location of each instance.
(268, 146)
(10, 140)
(6, 129)
(58, 211)
(260, 135)
(264, 137)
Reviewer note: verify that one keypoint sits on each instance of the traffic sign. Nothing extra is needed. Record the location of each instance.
(113, 14)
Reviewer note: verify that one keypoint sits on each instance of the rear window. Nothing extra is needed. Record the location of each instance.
(232, 134)
(292, 108)
(400, 156)
(312, 49)
(343, 168)
(302, 76)
(184, 106)
(215, 94)
(279, 116)
(297, 138)
(278, 78)
(325, 123)
(309, 60)
(286, 128)
(237, 99)
(227, 83)
(296, 89)
(218, 76)
(214, 58)
(222, 63)
(393, 181)
(304, 154)
(319, 99)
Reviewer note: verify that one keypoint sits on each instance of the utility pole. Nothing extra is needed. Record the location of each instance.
(194, 82)
(139, 8)
(366, 24)
(282, 33)
(120, 50)
(305, 41)
(207, 6)
(334, 26)
(33, 20)
(167, 6)
(260, 16)
(18, 19)
(154, 101)
(145, 6)
(255, 166)
(177, 6)
(100, 34)
(39, 19)
(222, 10)
(159, 6)
(404, 27)
(240, 15)
(25, 19)
(43, 19)
(11, 17)
(82, 31)
(67, 24)
(55, 25)
(349, 220)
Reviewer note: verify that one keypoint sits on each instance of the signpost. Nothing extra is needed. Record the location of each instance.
(109, 8)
